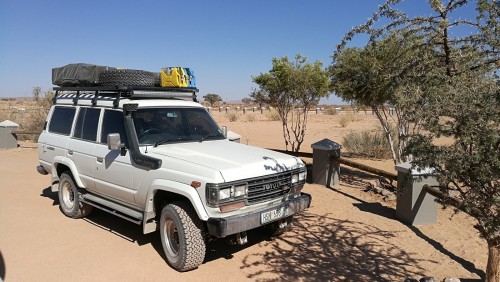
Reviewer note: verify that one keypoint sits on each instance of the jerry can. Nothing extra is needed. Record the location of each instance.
(191, 78)
(173, 77)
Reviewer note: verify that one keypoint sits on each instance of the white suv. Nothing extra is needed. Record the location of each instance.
(148, 155)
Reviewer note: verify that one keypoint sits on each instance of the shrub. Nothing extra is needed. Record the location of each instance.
(369, 144)
(250, 117)
(33, 120)
(330, 111)
(348, 118)
(273, 115)
(232, 116)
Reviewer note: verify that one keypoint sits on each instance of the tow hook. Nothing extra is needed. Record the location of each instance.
(241, 238)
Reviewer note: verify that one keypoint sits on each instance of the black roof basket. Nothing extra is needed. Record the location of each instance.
(118, 91)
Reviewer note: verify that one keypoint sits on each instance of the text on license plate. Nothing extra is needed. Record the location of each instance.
(269, 216)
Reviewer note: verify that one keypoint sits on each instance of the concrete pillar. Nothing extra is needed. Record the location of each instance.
(415, 206)
(326, 167)
(8, 140)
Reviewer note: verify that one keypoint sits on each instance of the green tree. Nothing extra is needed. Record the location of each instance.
(388, 73)
(212, 99)
(247, 101)
(292, 87)
(259, 98)
(458, 97)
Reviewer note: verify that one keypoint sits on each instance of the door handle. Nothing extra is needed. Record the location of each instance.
(70, 152)
(99, 159)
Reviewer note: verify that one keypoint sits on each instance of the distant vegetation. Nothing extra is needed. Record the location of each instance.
(30, 113)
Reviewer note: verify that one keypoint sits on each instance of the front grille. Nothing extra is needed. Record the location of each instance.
(269, 187)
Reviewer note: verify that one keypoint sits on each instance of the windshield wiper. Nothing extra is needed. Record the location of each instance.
(162, 142)
(209, 136)
(170, 140)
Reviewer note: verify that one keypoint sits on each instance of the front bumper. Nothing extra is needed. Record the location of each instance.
(222, 227)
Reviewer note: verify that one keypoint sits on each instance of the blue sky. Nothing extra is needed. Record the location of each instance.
(225, 42)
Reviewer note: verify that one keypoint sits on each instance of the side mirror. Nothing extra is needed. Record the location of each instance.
(114, 142)
(224, 131)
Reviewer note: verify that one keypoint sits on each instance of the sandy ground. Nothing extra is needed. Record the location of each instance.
(346, 235)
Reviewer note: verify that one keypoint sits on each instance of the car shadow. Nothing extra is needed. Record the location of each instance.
(216, 249)
(47, 193)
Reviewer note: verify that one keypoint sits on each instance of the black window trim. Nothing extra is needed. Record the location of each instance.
(75, 120)
(49, 122)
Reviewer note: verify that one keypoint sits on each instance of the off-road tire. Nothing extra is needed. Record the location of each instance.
(182, 236)
(157, 79)
(127, 78)
(69, 198)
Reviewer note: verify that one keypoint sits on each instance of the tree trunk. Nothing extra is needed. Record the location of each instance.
(493, 267)
(387, 132)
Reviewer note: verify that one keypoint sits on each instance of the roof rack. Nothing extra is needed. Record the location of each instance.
(118, 91)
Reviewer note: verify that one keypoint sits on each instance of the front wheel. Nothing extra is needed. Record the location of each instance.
(182, 236)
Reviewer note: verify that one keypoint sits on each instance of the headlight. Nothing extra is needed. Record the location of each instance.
(225, 194)
(302, 175)
(240, 191)
(299, 177)
(298, 180)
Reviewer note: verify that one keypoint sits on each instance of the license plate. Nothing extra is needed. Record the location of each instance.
(273, 215)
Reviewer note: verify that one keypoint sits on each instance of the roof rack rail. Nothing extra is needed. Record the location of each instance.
(120, 91)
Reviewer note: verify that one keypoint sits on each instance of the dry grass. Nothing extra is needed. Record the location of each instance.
(272, 115)
(232, 116)
(345, 120)
(250, 117)
(29, 114)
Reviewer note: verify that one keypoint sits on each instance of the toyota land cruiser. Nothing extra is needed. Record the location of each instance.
(156, 157)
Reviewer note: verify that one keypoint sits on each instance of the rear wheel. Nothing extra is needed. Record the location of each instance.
(69, 199)
(182, 236)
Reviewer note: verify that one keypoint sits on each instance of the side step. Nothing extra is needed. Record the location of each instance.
(113, 208)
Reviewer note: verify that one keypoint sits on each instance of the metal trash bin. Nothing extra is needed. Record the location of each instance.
(8, 140)
(326, 167)
(415, 206)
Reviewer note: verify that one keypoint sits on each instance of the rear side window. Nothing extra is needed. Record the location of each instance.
(113, 122)
(86, 124)
(61, 120)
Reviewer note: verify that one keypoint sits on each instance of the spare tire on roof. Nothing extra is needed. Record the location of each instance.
(127, 78)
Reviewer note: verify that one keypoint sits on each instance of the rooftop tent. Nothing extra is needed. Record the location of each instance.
(78, 74)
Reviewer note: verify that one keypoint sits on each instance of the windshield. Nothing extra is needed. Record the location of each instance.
(155, 126)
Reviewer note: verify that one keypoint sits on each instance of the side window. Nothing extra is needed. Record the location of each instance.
(61, 120)
(86, 124)
(113, 123)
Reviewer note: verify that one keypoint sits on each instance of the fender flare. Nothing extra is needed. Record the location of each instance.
(69, 163)
(178, 188)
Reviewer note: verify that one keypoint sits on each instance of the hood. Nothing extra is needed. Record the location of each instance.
(234, 161)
